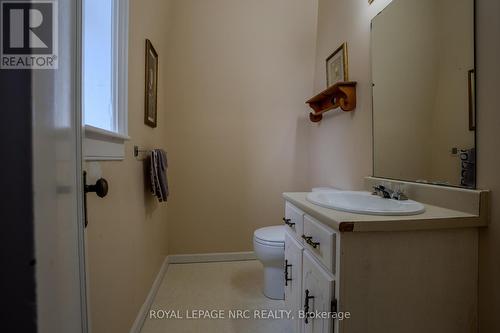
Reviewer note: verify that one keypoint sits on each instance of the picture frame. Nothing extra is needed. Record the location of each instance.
(337, 66)
(471, 88)
(151, 86)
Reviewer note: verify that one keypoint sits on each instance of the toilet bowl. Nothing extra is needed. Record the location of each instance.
(269, 248)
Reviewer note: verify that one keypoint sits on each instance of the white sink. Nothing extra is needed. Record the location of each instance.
(364, 203)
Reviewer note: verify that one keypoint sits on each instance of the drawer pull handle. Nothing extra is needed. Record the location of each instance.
(286, 272)
(306, 306)
(288, 223)
(309, 241)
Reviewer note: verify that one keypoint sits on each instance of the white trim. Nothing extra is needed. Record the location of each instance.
(143, 312)
(102, 145)
(211, 257)
(82, 241)
(121, 67)
(91, 130)
(58, 206)
(182, 259)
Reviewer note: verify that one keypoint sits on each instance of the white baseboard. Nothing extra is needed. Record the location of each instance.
(143, 312)
(183, 259)
(210, 257)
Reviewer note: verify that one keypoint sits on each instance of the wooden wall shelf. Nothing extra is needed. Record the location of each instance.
(342, 94)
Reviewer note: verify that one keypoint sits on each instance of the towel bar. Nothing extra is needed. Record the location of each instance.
(138, 150)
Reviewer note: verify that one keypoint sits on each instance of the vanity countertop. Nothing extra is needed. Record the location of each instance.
(434, 217)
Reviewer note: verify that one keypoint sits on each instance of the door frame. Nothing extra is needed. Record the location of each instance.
(61, 276)
(80, 132)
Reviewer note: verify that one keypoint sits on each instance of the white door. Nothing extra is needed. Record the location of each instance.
(57, 179)
(317, 291)
(293, 278)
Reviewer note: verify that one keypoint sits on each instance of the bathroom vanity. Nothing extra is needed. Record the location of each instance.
(415, 273)
(408, 273)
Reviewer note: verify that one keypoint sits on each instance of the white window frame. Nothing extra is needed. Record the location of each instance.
(100, 144)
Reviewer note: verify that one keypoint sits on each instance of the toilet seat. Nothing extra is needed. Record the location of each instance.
(270, 236)
(267, 243)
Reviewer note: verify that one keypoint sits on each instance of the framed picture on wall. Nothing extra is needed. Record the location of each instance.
(336, 66)
(151, 91)
(471, 86)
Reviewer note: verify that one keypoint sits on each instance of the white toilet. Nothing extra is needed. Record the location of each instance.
(269, 247)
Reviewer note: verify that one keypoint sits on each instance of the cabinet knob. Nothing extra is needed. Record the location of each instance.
(288, 223)
(286, 272)
(306, 306)
(309, 241)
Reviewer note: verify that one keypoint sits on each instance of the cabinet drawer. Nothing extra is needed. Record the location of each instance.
(320, 240)
(294, 219)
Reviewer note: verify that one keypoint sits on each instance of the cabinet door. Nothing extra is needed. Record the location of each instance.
(318, 287)
(293, 278)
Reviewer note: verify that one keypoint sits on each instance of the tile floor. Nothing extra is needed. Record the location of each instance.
(214, 286)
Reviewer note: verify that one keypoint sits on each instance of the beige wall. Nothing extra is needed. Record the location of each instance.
(127, 232)
(239, 74)
(488, 117)
(340, 148)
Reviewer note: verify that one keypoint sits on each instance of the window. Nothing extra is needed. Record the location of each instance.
(104, 78)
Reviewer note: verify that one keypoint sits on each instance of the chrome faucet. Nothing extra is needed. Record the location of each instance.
(387, 193)
(382, 191)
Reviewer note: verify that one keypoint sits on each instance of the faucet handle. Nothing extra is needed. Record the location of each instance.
(399, 192)
(399, 196)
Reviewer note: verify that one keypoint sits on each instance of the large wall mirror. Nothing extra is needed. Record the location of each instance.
(424, 92)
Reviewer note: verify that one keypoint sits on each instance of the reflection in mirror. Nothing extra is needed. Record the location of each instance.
(423, 92)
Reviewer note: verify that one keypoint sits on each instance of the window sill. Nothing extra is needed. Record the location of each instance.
(103, 145)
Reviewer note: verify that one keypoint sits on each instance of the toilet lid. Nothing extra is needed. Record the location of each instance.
(275, 234)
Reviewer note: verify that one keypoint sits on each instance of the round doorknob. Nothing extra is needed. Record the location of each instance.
(100, 187)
